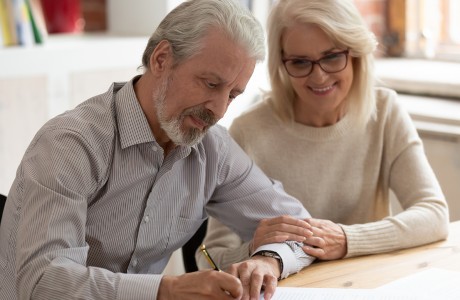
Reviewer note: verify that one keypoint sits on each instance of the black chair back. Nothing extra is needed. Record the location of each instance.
(188, 250)
(2, 204)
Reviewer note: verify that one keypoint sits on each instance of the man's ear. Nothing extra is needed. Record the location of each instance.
(161, 57)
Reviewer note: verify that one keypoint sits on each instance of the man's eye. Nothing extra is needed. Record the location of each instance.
(211, 84)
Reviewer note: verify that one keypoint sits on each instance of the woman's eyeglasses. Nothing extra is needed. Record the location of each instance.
(331, 63)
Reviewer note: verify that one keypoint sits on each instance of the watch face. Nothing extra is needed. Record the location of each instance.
(269, 254)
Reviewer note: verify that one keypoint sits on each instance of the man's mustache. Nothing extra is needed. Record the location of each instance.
(205, 115)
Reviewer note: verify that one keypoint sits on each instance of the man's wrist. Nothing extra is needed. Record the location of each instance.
(165, 287)
(272, 254)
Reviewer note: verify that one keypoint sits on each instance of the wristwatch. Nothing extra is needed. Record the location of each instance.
(275, 255)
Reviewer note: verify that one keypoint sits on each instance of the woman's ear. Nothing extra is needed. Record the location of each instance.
(161, 57)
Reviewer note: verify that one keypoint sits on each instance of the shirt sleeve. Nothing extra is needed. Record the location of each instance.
(51, 259)
(292, 256)
(247, 195)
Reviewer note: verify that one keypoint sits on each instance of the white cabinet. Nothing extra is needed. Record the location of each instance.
(37, 83)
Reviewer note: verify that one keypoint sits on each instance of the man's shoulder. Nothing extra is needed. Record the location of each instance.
(93, 120)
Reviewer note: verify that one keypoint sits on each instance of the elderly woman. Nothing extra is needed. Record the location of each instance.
(336, 141)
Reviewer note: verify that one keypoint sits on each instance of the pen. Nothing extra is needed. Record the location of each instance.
(208, 257)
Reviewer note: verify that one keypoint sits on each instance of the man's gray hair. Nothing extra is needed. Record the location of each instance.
(188, 23)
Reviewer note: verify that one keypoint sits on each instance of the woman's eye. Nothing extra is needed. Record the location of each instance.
(333, 56)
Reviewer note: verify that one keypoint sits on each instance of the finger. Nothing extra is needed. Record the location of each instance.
(316, 241)
(315, 252)
(281, 236)
(286, 220)
(283, 229)
(232, 270)
(292, 228)
(231, 287)
(317, 231)
(244, 274)
(269, 287)
(314, 222)
(259, 241)
(256, 285)
(273, 239)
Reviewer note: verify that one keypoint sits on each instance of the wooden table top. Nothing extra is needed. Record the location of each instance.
(372, 271)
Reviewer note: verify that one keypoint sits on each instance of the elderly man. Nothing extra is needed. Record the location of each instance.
(107, 191)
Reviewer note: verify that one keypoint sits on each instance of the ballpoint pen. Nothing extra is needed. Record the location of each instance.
(208, 257)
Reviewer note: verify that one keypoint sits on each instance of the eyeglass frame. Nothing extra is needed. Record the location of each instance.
(317, 62)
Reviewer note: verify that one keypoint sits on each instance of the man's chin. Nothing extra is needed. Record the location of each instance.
(193, 138)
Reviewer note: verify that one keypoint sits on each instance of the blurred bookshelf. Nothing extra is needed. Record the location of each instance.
(22, 23)
(30, 22)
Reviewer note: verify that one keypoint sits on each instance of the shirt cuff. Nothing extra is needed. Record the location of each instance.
(138, 286)
(289, 260)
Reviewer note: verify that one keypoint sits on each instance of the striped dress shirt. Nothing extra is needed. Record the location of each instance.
(96, 209)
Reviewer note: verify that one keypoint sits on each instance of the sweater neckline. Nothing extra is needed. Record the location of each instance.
(332, 132)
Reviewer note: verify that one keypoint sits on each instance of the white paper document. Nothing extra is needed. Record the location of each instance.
(445, 284)
(286, 293)
(425, 285)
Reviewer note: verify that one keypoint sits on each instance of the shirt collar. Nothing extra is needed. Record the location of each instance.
(132, 123)
(133, 126)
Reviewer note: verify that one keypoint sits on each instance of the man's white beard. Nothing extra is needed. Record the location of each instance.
(172, 127)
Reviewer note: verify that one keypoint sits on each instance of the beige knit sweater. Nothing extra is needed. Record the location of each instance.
(344, 175)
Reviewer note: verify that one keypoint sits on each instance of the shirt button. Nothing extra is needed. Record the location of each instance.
(134, 263)
(146, 219)
(155, 148)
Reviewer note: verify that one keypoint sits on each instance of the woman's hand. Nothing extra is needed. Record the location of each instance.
(280, 229)
(328, 241)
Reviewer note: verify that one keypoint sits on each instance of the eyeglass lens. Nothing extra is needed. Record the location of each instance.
(331, 63)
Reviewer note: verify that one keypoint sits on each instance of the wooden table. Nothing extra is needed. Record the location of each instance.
(372, 271)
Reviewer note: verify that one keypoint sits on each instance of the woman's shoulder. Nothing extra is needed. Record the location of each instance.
(258, 114)
(385, 95)
(391, 110)
(387, 101)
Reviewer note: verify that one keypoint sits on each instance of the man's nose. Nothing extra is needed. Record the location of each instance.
(218, 106)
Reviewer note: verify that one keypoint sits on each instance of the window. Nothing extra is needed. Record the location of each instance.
(433, 29)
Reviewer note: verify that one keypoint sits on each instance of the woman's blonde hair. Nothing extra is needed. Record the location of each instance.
(342, 22)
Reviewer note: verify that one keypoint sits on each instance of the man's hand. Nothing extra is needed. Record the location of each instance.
(328, 241)
(208, 284)
(257, 274)
(280, 229)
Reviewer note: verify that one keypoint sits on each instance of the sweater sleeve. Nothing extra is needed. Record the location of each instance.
(425, 216)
